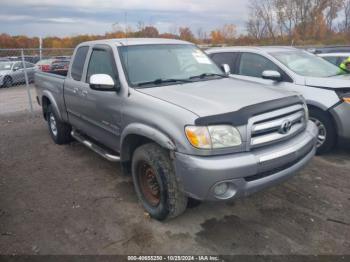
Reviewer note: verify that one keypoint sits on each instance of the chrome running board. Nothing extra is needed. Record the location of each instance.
(96, 148)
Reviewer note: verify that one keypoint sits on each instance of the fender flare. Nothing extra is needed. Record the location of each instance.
(316, 104)
(144, 131)
(52, 101)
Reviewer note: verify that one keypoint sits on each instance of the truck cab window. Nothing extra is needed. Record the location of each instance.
(101, 62)
(78, 63)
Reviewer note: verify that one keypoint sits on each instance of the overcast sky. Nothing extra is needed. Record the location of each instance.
(72, 17)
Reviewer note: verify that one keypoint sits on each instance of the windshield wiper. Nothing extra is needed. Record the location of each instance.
(164, 81)
(206, 75)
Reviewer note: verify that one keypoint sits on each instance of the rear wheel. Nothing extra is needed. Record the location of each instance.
(59, 131)
(156, 184)
(327, 136)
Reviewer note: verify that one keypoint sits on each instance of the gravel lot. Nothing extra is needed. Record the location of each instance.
(15, 99)
(68, 200)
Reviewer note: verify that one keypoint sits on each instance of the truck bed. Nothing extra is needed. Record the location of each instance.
(50, 84)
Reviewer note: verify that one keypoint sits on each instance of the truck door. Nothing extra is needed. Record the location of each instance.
(101, 109)
(73, 89)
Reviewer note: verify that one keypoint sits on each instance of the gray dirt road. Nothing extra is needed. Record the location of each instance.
(68, 200)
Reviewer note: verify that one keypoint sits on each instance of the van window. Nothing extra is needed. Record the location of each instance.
(78, 63)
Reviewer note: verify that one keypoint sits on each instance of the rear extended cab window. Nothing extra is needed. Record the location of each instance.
(78, 63)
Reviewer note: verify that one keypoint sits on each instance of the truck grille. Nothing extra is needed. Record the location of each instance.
(276, 125)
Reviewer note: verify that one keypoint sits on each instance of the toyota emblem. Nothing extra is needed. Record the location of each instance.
(285, 127)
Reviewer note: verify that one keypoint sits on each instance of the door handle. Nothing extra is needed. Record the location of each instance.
(84, 93)
(75, 90)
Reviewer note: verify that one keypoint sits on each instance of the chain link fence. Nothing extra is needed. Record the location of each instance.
(18, 67)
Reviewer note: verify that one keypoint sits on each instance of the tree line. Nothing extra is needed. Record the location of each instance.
(287, 22)
(299, 21)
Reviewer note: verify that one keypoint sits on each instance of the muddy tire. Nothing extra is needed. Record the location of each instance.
(156, 184)
(60, 132)
(327, 136)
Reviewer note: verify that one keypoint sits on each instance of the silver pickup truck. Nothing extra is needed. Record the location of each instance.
(176, 122)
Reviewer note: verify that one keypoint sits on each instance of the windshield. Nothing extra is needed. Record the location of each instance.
(5, 66)
(307, 64)
(157, 64)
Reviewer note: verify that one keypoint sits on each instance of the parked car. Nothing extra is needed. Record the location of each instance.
(331, 49)
(326, 90)
(13, 73)
(60, 66)
(181, 127)
(54, 65)
(335, 58)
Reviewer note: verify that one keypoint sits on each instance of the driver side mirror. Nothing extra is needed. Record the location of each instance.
(15, 68)
(226, 69)
(272, 75)
(102, 82)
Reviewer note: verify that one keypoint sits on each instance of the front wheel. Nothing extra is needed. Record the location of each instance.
(327, 136)
(156, 184)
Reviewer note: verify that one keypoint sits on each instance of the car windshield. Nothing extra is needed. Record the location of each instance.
(306, 64)
(161, 64)
(5, 66)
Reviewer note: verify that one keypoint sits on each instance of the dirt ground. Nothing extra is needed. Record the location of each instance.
(68, 200)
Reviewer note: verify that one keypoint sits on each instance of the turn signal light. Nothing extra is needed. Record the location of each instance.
(346, 99)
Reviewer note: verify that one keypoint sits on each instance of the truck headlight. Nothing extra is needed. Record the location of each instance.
(213, 137)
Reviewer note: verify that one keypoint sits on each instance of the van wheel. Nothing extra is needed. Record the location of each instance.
(327, 136)
(59, 131)
(156, 184)
(8, 82)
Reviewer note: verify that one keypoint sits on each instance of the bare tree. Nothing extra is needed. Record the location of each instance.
(332, 11)
(286, 13)
(256, 25)
(345, 24)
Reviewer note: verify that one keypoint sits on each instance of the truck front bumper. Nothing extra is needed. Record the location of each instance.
(245, 173)
(341, 114)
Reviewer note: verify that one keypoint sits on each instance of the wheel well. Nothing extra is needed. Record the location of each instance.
(45, 104)
(312, 107)
(130, 143)
(8, 77)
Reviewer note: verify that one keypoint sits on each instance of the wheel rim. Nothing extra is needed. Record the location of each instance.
(149, 184)
(322, 132)
(53, 125)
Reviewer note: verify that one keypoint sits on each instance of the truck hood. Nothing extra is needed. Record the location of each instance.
(335, 82)
(214, 97)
